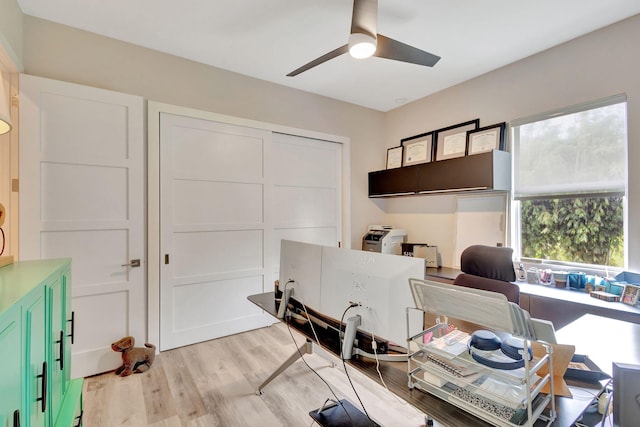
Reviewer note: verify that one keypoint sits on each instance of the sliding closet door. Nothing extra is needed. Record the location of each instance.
(82, 197)
(229, 192)
(307, 191)
(214, 228)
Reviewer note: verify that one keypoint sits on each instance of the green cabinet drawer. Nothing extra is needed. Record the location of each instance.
(35, 346)
(10, 367)
(70, 413)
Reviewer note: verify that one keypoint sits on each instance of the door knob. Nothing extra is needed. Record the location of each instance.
(133, 263)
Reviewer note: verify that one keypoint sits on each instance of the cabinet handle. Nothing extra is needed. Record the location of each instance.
(73, 324)
(16, 418)
(60, 342)
(79, 418)
(43, 399)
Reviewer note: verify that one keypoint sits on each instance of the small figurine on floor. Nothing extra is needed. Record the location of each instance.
(134, 359)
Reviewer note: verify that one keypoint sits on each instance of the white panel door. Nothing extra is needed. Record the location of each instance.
(213, 229)
(82, 197)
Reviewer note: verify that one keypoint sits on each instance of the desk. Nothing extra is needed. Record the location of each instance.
(395, 376)
(561, 306)
(604, 340)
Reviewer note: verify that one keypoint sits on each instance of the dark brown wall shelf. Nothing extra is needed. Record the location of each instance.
(486, 171)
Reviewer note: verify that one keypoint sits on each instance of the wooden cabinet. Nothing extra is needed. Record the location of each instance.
(35, 339)
(486, 171)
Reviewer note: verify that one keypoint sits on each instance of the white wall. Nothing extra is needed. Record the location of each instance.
(600, 64)
(11, 34)
(10, 65)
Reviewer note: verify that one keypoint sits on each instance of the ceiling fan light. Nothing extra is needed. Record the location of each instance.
(361, 45)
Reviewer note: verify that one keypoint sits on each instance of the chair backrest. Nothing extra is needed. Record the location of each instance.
(508, 289)
(492, 262)
(489, 268)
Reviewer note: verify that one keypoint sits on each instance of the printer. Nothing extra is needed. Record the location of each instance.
(384, 239)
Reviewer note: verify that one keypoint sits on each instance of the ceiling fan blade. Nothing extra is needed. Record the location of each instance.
(393, 49)
(365, 17)
(324, 58)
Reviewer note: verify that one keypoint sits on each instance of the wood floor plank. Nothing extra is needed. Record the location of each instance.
(159, 402)
(126, 402)
(186, 399)
(173, 421)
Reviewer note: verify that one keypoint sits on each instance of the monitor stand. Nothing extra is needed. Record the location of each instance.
(349, 349)
(306, 348)
(341, 414)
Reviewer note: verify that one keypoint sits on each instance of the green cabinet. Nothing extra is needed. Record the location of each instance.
(11, 390)
(36, 373)
(35, 346)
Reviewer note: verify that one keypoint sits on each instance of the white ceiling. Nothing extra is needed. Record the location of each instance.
(267, 39)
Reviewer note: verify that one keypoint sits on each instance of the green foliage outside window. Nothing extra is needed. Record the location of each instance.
(583, 230)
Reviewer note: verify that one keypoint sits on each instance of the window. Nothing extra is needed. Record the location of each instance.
(570, 173)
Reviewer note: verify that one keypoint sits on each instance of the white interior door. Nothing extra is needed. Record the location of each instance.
(82, 197)
(213, 228)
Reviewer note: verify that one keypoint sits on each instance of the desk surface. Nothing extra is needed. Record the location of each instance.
(395, 376)
(604, 340)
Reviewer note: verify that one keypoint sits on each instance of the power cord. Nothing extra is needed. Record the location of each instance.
(314, 371)
(302, 355)
(344, 364)
(605, 413)
(374, 346)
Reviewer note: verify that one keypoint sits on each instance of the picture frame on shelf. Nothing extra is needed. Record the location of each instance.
(417, 149)
(630, 295)
(486, 138)
(451, 142)
(394, 157)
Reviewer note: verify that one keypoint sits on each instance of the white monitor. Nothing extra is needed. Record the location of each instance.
(302, 264)
(626, 394)
(379, 283)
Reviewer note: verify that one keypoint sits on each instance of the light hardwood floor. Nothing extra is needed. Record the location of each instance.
(214, 384)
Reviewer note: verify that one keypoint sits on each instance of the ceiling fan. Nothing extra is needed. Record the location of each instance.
(364, 42)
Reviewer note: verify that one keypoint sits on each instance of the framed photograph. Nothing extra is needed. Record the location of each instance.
(486, 139)
(418, 149)
(394, 157)
(451, 142)
(631, 294)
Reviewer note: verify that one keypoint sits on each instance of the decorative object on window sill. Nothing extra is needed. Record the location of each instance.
(631, 294)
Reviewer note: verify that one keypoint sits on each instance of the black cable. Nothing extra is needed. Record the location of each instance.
(344, 364)
(303, 359)
(308, 366)
(3, 241)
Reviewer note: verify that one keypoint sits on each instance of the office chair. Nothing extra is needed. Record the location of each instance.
(489, 268)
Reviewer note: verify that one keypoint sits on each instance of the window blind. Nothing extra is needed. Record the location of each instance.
(581, 150)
